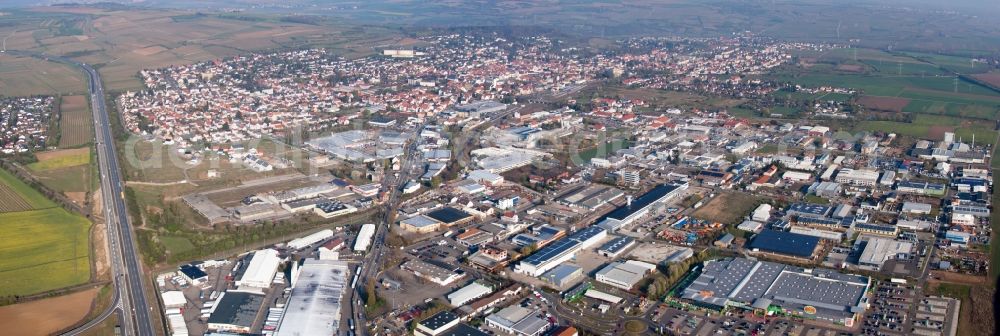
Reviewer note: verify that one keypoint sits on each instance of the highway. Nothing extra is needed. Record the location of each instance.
(129, 300)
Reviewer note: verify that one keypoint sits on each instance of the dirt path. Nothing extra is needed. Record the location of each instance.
(47, 316)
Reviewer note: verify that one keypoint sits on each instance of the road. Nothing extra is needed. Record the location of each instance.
(130, 300)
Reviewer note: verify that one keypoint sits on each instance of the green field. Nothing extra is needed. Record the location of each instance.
(43, 250)
(929, 81)
(921, 128)
(176, 244)
(71, 158)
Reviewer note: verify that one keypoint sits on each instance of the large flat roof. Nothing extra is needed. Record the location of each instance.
(787, 243)
(314, 305)
(448, 215)
(237, 308)
(640, 203)
(759, 283)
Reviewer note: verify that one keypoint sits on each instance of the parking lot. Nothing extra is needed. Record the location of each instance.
(692, 323)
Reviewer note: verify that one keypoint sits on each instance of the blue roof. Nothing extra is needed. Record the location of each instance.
(786, 243)
(639, 203)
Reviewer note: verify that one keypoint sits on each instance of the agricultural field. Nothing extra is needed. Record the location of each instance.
(120, 43)
(933, 128)
(926, 83)
(18, 196)
(69, 171)
(26, 76)
(63, 158)
(44, 248)
(47, 316)
(75, 127)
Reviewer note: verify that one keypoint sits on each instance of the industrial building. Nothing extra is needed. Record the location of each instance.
(260, 272)
(420, 224)
(431, 272)
(313, 308)
(563, 275)
(235, 311)
(590, 196)
(301, 243)
(634, 209)
(468, 293)
(437, 324)
(772, 287)
(333, 209)
(858, 177)
(518, 320)
(560, 251)
(784, 244)
(624, 275)
(364, 239)
(616, 247)
(449, 216)
(878, 250)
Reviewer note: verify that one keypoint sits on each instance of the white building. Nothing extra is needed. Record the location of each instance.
(762, 213)
(624, 275)
(517, 320)
(314, 304)
(260, 272)
(364, 239)
(301, 243)
(468, 293)
(858, 177)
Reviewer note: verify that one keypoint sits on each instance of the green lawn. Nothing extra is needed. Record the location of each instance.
(43, 250)
(602, 151)
(176, 244)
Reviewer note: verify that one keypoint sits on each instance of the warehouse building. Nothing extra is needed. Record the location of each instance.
(634, 209)
(449, 216)
(235, 311)
(333, 209)
(878, 250)
(615, 247)
(437, 324)
(313, 308)
(364, 239)
(590, 196)
(563, 276)
(518, 320)
(260, 272)
(560, 251)
(772, 287)
(784, 244)
(420, 224)
(468, 293)
(624, 275)
(301, 243)
(434, 273)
